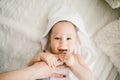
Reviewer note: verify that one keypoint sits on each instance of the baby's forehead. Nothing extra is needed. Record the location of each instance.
(64, 26)
(63, 34)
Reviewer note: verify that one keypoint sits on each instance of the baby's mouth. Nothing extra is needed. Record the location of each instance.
(62, 50)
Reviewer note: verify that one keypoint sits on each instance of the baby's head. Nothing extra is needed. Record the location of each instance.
(63, 37)
(65, 23)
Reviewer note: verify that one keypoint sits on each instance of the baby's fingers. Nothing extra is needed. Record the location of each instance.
(52, 62)
(61, 57)
(69, 59)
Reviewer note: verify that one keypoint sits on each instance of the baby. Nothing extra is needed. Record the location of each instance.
(64, 42)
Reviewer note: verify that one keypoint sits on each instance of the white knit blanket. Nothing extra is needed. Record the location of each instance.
(22, 22)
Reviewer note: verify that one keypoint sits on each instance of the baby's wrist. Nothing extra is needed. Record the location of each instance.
(73, 64)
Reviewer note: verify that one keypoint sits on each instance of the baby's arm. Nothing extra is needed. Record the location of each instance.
(46, 56)
(77, 65)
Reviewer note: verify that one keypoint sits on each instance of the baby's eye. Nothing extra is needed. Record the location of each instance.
(69, 38)
(57, 38)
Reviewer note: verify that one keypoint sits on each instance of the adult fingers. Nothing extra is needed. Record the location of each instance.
(61, 67)
(58, 75)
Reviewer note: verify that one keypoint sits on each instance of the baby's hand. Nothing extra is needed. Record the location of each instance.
(49, 58)
(67, 58)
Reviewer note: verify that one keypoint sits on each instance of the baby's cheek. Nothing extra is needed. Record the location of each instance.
(54, 49)
(72, 48)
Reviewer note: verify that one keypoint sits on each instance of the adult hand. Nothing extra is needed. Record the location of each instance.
(38, 70)
(42, 70)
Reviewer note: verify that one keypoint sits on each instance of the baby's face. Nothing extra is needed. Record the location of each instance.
(63, 38)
